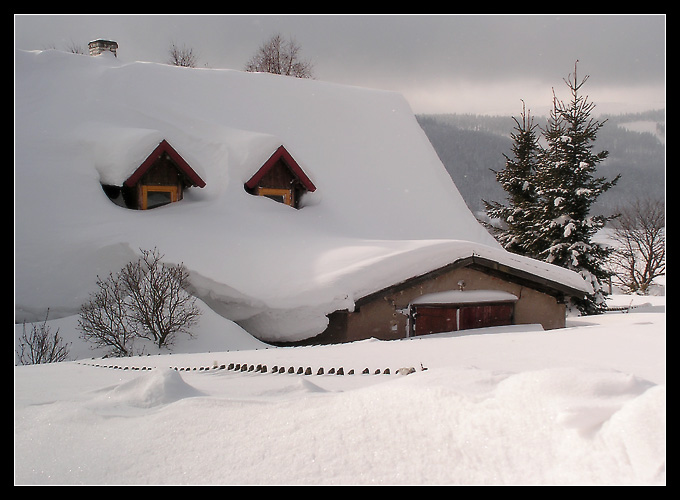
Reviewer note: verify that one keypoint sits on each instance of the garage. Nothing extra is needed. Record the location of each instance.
(460, 310)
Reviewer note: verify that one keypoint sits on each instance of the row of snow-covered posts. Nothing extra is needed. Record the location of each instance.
(117, 367)
(238, 367)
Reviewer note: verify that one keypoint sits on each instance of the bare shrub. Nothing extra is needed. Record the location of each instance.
(104, 319)
(147, 299)
(41, 346)
(640, 254)
(280, 57)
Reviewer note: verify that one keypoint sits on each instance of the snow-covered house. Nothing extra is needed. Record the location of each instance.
(369, 238)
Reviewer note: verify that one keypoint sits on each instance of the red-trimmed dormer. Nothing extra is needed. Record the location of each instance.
(280, 178)
(159, 180)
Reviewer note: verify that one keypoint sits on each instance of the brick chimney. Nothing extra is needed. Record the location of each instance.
(100, 46)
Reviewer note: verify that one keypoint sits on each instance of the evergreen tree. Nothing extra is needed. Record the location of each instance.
(517, 180)
(551, 189)
(567, 188)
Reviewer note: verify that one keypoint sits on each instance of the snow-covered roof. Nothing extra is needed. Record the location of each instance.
(384, 209)
(464, 297)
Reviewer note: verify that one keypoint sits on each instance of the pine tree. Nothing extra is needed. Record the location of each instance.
(551, 189)
(567, 188)
(517, 180)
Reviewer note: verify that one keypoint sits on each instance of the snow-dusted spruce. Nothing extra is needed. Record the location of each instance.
(554, 224)
(517, 180)
(568, 188)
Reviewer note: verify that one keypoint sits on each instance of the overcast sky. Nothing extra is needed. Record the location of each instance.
(445, 63)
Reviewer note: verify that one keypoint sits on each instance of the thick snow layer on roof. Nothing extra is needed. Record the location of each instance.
(465, 297)
(385, 208)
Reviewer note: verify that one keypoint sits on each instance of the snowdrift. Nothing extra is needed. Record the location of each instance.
(583, 405)
(384, 209)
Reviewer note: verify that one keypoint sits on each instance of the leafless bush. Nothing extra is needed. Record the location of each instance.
(182, 56)
(147, 299)
(41, 346)
(160, 303)
(104, 319)
(640, 254)
(280, 57)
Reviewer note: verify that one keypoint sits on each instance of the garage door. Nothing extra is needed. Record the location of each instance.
(430, 319)
(482, 316)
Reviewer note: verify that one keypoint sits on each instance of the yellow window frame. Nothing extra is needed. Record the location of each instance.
(173, 190)
(285, 193)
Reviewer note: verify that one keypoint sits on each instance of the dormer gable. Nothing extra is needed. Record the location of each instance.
(280, 178)
(160, 179)
(164, 148)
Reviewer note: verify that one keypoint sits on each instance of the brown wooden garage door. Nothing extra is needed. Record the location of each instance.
(435, 319)
(450, 318)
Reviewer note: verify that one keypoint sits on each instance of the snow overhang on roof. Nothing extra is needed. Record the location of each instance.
(538, 280)
(465, 297)
(546, 278)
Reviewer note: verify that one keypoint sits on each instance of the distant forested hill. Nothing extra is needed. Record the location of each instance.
(470, 146)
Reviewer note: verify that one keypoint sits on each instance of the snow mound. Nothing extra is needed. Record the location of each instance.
(151, 389)
(533, 427)
(638, 431)
(570, 383)
(580, 399)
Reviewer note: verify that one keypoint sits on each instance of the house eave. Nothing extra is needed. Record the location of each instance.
(488, 266)
(551, 287)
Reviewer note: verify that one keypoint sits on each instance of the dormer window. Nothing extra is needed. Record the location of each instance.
(161, 179)
(157, 196)
(284, 196)
(280, 178)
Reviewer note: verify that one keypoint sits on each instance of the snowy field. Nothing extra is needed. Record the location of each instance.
(505, 406)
